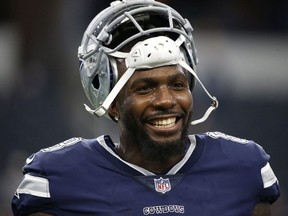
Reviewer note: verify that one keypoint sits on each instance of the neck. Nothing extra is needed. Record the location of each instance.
(159, 166)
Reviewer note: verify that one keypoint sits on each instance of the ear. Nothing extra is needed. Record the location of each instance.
(113, 112)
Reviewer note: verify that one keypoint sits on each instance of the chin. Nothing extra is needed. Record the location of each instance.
(162, 148)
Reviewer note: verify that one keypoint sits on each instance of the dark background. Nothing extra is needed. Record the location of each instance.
(243, 53)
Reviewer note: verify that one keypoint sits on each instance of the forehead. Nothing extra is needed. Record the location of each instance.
(159, 74)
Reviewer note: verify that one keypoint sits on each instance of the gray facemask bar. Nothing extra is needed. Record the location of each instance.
(102, 110)
(104, 35)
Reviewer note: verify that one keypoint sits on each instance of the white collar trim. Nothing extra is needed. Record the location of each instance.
(145, 172)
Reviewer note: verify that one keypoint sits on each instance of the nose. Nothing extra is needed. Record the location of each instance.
(164, 98)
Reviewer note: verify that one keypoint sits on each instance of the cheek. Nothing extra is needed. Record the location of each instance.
(132, 106)
(190, 103)
(186, 101)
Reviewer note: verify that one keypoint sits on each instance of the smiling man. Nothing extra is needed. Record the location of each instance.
(154, 111)
(138, 63)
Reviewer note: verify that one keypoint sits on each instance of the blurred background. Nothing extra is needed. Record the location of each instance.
(243, 60)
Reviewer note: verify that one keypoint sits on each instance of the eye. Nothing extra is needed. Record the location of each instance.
(179, 85)
(144, 89)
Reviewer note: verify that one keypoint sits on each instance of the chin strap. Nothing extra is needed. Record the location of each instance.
(161, 51)
(214, 103)
(102, 110)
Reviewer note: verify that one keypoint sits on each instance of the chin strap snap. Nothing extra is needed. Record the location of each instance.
(213, 106)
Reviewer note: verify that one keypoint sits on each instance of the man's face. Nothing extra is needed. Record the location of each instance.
(155, 108)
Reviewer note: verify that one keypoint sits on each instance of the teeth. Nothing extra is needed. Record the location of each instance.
(164, 122)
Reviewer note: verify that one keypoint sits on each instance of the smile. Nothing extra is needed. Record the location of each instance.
(164, 123)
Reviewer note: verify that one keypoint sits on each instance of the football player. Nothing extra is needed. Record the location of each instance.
(137, 66)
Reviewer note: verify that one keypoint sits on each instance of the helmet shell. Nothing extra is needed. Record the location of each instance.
(119, 25)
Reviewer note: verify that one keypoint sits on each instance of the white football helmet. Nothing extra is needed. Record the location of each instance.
(151, 24)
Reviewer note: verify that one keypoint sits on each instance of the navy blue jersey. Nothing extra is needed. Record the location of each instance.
(219, 175)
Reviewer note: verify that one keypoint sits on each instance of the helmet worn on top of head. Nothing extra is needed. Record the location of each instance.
(119, 26)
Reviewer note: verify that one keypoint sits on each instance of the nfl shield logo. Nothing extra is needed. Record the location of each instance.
(162, 185)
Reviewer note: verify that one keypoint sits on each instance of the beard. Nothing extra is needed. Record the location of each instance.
(157, 150)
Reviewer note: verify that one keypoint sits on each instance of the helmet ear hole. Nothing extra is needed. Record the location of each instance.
(96, 82)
